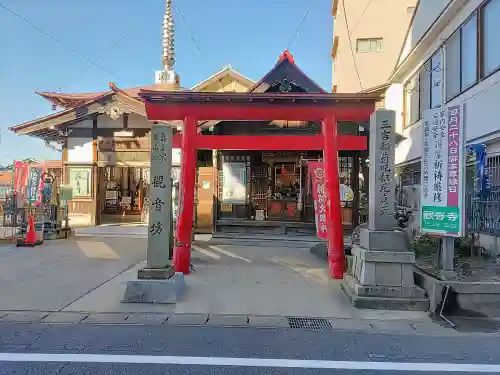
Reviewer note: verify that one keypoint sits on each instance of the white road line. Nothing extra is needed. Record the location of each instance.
(249, 362)
(228, 253)
(206, 252)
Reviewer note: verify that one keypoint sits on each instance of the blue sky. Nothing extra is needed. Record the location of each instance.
(249, 34)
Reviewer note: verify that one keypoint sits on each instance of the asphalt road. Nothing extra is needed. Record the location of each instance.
(93, 349)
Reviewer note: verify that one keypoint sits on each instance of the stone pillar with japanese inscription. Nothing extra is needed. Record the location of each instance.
(158, 282)
(160, 194)
(382, 195)
(382, 267)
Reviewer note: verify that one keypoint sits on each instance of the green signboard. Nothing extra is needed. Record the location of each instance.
(437, 219)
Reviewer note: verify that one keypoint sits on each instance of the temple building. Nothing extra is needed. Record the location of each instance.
(105, 138)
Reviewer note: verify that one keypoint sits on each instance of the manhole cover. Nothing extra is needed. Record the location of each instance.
(309, 323)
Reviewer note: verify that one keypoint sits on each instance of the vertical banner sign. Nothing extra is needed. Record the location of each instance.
(41, 185)
(317, 176)
(482, 181)
(442, 171)
(160, 214)
(36, 185)
(20, 178)
(35, 177)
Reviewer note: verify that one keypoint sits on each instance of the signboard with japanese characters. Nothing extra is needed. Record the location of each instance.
(381, 173)
(317, 176)
(34, 180)
(160, 214)
(442, 171)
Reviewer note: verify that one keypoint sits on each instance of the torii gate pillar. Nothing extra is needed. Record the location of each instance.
(336, 256)
(182, 250)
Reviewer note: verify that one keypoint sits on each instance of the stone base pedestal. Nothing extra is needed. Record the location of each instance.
(382, 273)
(155, 273)
(160, 286)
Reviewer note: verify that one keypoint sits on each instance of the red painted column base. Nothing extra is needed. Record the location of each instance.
(182, 258)
(336, 270)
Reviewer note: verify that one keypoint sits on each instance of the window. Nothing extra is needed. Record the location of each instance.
(431, 77)
(369, 45)
(4, 191)
(452, 74)
(412, 100)
(423, 90)
(425, 87)
(491, 35)
(461, 59)
(468, 54)
(436, 79)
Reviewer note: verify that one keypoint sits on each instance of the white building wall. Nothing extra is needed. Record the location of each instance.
(394, 101)
(481, 120)
(80, 150)
(425, 15)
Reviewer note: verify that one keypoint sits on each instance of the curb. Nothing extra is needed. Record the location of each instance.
(233, 321)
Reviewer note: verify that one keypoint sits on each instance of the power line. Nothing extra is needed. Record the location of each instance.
(350, 45)
(194, 39)
(361, 16)
(58, 41)
(301, 23)
(94, 63)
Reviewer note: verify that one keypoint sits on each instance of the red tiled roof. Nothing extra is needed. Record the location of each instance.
(66, 100)
(54, 115)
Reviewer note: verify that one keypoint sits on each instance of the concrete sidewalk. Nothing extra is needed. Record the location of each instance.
(86, 277)
(245, 280)
(53, 275)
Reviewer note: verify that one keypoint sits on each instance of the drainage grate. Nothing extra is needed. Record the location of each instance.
(309, 323)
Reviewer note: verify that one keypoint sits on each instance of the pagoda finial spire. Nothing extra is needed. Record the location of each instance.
(168, 37)
(168, 56)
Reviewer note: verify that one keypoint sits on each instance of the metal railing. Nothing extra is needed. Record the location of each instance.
(483, 215)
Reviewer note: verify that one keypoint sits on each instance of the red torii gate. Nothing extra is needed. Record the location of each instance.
(192, 107)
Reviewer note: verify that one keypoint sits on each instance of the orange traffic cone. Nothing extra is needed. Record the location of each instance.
(31, 234)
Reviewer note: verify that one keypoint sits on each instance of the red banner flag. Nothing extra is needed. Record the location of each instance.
(317, 176)
(20, 178)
